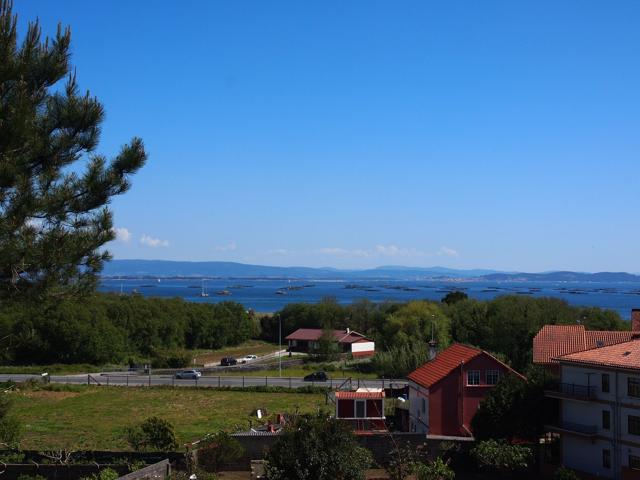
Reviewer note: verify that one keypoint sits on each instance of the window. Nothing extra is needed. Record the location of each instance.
(605, 383)
(634, 462)
(606, 458)
(360, 409)
(424, 405)
(473, 377)
(606, 419)
(492, 376)
(633, 425)
(633, 387)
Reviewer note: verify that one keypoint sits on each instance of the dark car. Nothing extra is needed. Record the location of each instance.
(316, 377)
(227, 361)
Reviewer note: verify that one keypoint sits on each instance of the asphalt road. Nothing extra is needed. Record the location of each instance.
(135, 380)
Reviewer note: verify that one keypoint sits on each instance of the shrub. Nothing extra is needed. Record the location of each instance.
(216, 451)
(436, 470)
(317, 448)
(501, 457)
(403, 460)
(564, 473)
(152, 434)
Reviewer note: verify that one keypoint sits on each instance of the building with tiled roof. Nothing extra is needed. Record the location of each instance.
(349, 341)
(599, 410)
(362, 409)
(445, 392)
(553, 341)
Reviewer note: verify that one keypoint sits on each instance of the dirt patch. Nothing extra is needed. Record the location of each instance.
(48, 395)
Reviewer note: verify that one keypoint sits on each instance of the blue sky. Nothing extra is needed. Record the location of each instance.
(493, 134)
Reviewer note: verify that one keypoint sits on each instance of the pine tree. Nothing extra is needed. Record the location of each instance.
(54, 188)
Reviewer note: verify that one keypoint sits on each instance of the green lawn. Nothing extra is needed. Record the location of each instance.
(94, 417)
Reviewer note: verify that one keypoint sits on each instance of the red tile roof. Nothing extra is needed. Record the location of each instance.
(345, 395)
(554, 341)
(435, 370)
(621, 355)
(314, 334)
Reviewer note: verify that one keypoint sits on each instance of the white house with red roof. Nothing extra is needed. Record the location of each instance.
(445, 392)
(599, 411)
(349, 341)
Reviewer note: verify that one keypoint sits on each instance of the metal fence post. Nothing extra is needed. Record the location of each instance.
(383, 383)
(107, 380)
(127, 380)
(88, 379)
(243, 381)
(173, 381)
(218, 381)
(289, 382)
(266, 381)
(149, 379)
(196, 381)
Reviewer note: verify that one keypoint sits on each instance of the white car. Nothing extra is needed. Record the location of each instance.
(188, 374)
(248, 358)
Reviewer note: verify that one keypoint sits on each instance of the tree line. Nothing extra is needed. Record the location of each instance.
(504, 326)
(109, 328)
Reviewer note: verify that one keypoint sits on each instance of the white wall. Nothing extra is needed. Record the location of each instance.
(363, 347)
(582, 454)
(419, 419)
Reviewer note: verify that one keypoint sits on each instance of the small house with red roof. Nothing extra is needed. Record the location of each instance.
(363, 409)
(308, 340)
(445, 392)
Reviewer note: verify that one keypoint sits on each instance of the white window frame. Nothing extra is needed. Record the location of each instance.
(476, 375)
(495, 372)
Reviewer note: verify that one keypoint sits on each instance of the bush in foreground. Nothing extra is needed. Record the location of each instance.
(153, 434)
(317, 448)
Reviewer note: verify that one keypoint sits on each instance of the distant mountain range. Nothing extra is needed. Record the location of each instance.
(167, 268)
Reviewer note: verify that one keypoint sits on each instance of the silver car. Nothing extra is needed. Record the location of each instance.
(189, 375)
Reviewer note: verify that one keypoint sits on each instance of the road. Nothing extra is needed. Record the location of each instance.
(135, 380)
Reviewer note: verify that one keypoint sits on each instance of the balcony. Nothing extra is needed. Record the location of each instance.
(571, 391)
(575, 429)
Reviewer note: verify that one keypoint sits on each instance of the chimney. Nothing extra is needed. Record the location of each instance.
(349, 330)
(635, 319)
(433, 351)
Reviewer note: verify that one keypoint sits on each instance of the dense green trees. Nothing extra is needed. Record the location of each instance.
(504, 326)
(54, 188)
(106, 328)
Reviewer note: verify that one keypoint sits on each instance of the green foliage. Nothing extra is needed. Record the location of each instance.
(153, 434)
(501, 457)
(10, 426)
(564, 473)
(453, 297)
(404, 459)
(54, 187)
(328, 350)
(317, 448)
(398, 361)
(216, 451)
(104, 474)
(30, 477)
(109, 328)
(500, 414)
(435, 470)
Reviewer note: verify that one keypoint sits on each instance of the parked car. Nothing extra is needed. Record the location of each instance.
(248, 358)
(227, 361)
(189, 374)
(316, 377)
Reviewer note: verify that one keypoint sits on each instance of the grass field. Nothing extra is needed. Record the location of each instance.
(94, 417)
(251, 347)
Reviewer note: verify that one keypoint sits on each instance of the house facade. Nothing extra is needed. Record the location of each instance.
(349, 342)
(444, 393)
(599, 410)
(362, 409)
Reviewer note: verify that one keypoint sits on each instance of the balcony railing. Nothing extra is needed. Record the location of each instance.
(572, 390)
(576, 428)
